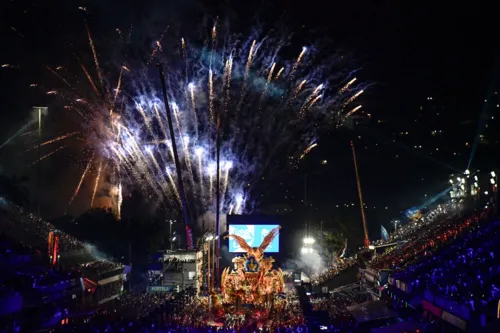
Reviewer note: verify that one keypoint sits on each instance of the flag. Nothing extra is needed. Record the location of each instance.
(385, 234)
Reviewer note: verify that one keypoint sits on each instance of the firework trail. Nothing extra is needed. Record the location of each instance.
(251, 55)
(96, 60)
(29, 133)
(96, 183)
(352, 111)
(354, 97)
(214, 44)
(193, 106)
(297, 62)
(172, 182)
(211, 173)
(344, 88)
(211, 94)
(279, 73)
(226, 166)
(81, 180)
(228, 72)
(296, 91)
(59, 76)
(120, 201)
(184, 55)
(47, 155)
(308, 104)
(117, 91)
(307, 150)
(266, 115)
(62, 137)
(92, 84)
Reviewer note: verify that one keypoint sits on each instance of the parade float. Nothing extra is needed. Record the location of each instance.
(252, 279)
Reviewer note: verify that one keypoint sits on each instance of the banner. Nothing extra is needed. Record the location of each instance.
(385, 234)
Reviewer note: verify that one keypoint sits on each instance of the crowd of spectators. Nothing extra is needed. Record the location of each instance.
(101, 267)
(182, 313)
(33, 230)
(462, 264)
(424, 242)
(415, 227)
(336, 306)
(333, 271)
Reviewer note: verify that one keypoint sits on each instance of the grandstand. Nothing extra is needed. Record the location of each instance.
(40, 288)
(455, 273)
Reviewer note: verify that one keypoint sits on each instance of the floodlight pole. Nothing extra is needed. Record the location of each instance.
(182, 193)
(217, 198)
(39, 168)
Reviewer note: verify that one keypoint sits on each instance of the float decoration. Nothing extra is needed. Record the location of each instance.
(252, 279)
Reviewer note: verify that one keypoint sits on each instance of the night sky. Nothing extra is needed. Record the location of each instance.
(409, 53)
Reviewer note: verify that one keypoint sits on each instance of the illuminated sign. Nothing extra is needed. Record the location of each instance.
(160, 289)
(253, 234)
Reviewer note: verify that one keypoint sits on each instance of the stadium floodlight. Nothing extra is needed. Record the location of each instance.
(493, 174)
(475, 184)
(492, 181)
(309, 240)
(307, 250)
(467, 172)
(486, 192)
(451, 181)
(475, 178)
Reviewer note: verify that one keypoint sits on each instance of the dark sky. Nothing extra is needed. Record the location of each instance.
(409, 52)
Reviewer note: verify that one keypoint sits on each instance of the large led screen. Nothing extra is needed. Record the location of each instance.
(253, 234)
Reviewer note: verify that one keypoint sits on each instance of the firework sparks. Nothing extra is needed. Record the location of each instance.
(261, 118)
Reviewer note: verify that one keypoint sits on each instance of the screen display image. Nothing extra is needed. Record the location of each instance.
(253, 234)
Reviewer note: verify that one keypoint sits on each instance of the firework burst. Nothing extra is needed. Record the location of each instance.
(265, 115)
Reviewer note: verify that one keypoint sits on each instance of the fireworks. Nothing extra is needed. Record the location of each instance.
(265, 115)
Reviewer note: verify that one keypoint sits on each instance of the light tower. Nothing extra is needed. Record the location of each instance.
(39, 110)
